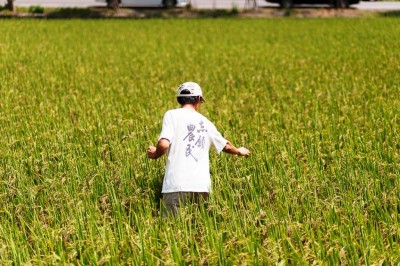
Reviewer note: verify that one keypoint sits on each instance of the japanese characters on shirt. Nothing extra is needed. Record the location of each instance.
(195, 139)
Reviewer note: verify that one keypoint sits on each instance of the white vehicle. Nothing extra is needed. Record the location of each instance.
(150, 3)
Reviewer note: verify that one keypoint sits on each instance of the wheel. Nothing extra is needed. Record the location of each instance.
(286, 4)
(340, 4)
(111, 3)
(169, 3)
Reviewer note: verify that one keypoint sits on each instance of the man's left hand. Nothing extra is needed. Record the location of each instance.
(151, 152)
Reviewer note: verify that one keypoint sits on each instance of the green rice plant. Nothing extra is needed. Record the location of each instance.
(315, 100)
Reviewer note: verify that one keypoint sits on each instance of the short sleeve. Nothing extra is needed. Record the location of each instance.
(168, 129)
(217, 140)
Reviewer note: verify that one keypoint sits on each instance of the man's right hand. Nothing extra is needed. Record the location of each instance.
(243, 151)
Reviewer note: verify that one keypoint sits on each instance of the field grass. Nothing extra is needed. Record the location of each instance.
(316, 101)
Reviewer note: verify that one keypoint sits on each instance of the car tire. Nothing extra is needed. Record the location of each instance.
(169, 3)
(340, 4)
(110, 4)
(286, 3)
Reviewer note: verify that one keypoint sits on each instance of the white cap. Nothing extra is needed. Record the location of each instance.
(193, 88)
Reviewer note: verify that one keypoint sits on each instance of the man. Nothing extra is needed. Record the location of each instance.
(186, 137)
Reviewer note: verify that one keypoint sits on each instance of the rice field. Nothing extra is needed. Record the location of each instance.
(315, 100)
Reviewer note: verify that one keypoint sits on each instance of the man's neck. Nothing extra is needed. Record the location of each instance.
(189, 106)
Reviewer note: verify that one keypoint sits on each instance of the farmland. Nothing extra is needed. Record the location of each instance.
(316, 101)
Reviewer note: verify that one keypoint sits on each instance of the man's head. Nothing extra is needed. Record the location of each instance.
(190, 93)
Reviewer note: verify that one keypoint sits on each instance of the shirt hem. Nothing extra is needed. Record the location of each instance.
(185, 190)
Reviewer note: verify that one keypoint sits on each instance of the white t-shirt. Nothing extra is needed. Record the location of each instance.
(191, 135)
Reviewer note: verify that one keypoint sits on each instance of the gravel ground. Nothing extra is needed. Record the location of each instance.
(201, 4)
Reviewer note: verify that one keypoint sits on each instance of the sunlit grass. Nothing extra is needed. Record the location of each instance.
(316, 101)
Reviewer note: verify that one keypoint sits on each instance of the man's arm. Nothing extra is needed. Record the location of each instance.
(242, 151)
(160, 150)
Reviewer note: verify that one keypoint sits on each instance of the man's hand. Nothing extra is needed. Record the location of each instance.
(151, 152)
(160, 150)
(243, 151)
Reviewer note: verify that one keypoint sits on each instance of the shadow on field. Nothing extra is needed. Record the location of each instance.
(302, 11)
(394, 14)
(96, 12)
(156, 188)
(127, 12)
